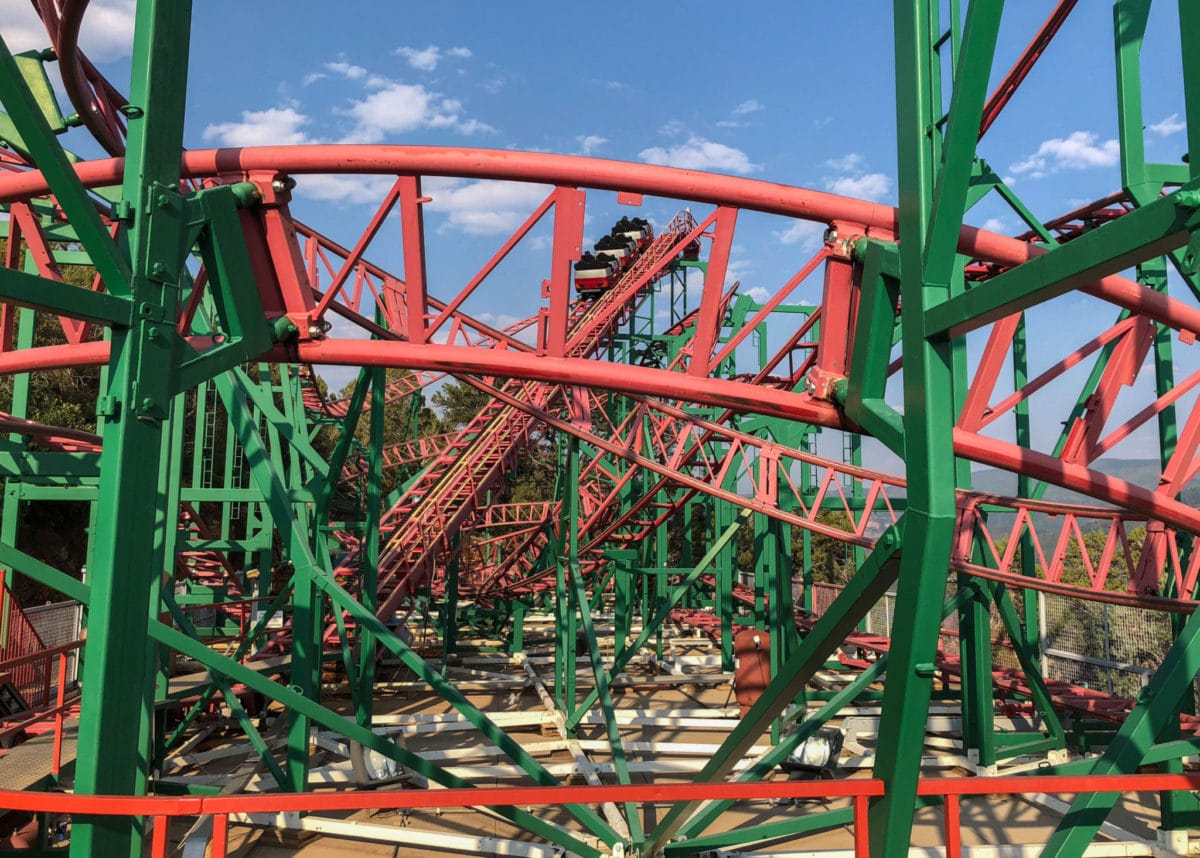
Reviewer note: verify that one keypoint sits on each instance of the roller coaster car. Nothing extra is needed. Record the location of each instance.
(636, 228)
(620, 248)
(594, 273)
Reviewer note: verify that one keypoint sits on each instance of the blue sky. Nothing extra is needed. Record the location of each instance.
(800, 93)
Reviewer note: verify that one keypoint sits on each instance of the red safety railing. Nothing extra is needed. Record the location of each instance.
(45, 661)
(220, 807)
(31, 678)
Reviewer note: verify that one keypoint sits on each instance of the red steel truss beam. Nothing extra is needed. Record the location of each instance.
(1024, 65)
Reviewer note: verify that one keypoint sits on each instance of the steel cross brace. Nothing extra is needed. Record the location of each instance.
(867, 586)
(306, 564)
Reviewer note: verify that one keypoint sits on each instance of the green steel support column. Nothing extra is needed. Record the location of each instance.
(652, 623)
(781, 619)
(861, 593)
(287, 696)
(656, 585)
(623, 596)
(171, 471)
(128, 541)
(1029, 640)
(974, 618)
(567, 635)
(1189, 37)
(10, 516)
(449, 612)
(621, 766)
(516, 642)
(934, 177)
(726, 566)
(369, 569)
(764, 567)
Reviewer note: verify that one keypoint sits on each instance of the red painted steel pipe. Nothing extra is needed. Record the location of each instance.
(573, 170)
(60, 704)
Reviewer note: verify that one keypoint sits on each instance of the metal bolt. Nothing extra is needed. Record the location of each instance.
(314, 330)
(153, 335)
(147, 404)
(162, 201)
(158, 269)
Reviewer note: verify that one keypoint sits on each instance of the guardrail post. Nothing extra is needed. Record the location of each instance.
(158, 838)
(862, 831)
(220, 835)
(60, 701)
(953, 832)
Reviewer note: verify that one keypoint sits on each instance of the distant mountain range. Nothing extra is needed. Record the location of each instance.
(1141, 472)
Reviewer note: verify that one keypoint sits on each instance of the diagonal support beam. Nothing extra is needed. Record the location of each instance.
(868, 585)
(1157, 707)
(177, 640)
(1152, 230)
(650, 628)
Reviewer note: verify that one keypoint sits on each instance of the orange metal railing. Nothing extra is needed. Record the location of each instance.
(220, 807)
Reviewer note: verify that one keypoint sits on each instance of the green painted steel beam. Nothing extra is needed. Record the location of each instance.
(861, 593)
(26, 115)
(276, 494)
(1152, 230)
(42, 465)
(1157, 705)
(338, 722)
(129, 542)
(772, 758)
(63, 299)
(663, 611)
(235, 706)
(43, 573)
(933, 183)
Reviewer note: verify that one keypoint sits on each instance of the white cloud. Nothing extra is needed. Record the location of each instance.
(854, 180)
(869, 186)
(671, 128)
(589, 143)
(758, 293)
(995, 224)
(850, 163)
(1171, 125)
(482, 207)
(313, 77)
(1077, 151)
(427, 58)
(107, 32)
(823, 122)
(345, 190)
(347, 70)
(750, 106)
(700, 154)
(731, 123)
(275, 126)
(400, 107)
(806, 233)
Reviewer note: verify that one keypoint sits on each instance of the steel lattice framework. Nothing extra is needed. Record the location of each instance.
(211, 303)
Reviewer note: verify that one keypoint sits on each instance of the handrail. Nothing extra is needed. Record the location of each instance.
(220, 807)
(61, 703)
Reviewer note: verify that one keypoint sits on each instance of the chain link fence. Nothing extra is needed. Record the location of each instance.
(1110, 648)
(56, 624)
